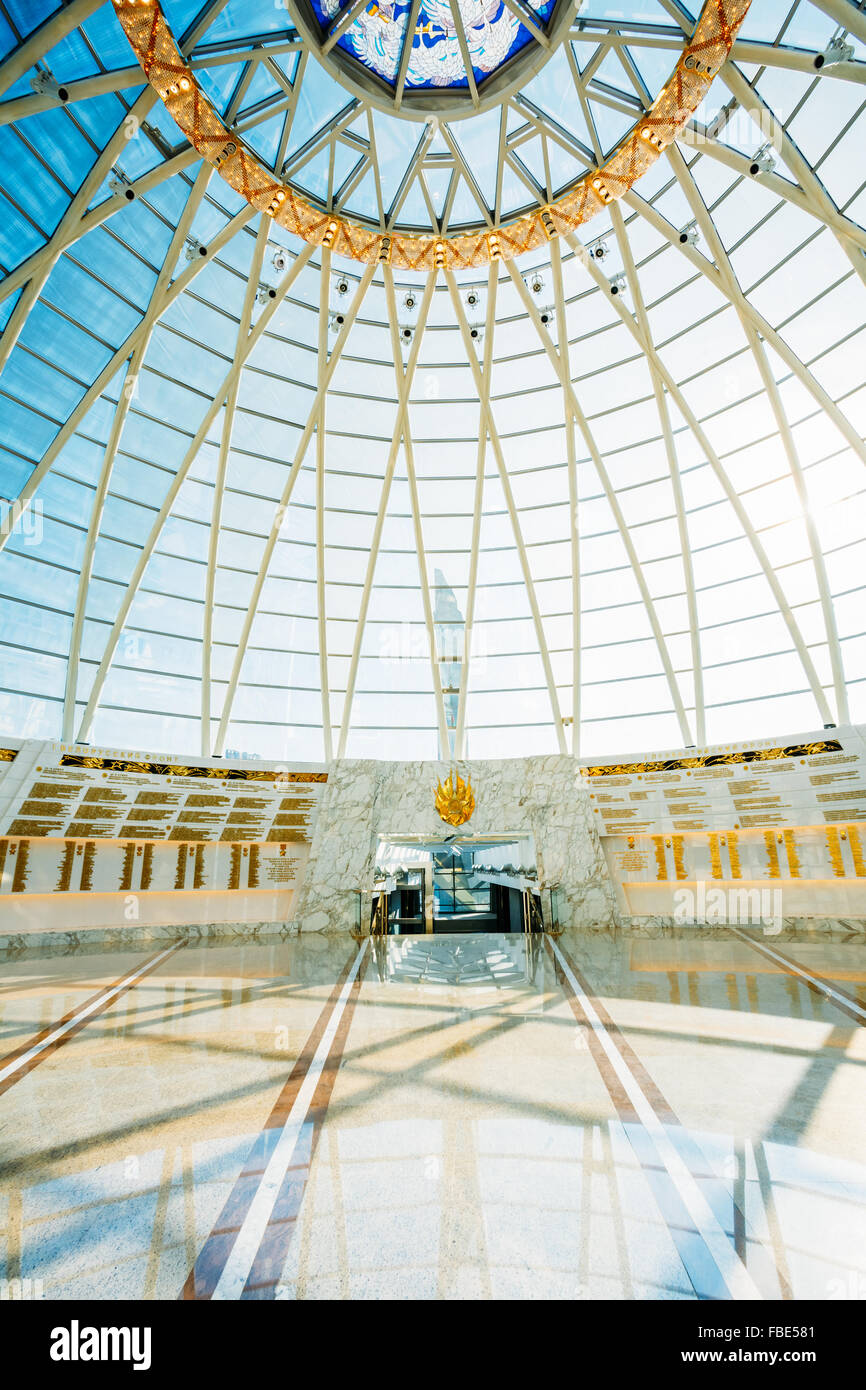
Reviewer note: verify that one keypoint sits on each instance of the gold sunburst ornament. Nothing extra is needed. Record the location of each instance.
(454, 799)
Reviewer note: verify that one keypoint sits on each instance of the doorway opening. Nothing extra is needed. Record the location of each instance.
(458, 883)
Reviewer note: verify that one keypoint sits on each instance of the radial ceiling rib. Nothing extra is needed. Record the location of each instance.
(673, 467)
(409, 456)
(722, 476)
(740, 302)
(69, 220)
(573, 517)
(477, 502)
(156, 308)
(220, 484)
(406, 53)
(322, 396)
(811, 185)
(119, 80)
(121, 411)
(698, 139)
(496, 445)
(404, 389)
(851, 17)
(285, 499)
(770, 386)
(613, 503)
(64, 237)
(55, 28)
(177, 482)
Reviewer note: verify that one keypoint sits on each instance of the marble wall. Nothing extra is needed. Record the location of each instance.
(544, 797)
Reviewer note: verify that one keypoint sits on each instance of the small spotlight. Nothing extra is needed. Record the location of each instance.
(274, 206)
(617, 284)
(225, 153)
(330, 233)
(342, 286)
(494, 247)
(599, 251)
(406, 333)
(439, 254)
(548, 224)
(409, 300)
(476, 333)
(194, 248)
(690, 235)
(280, 261)
(837, 51)
(265, 293)
(763, 162)
(384, 250)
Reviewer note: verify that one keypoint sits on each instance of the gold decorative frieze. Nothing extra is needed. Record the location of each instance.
(746, 755)
(230, 774)
(177, 85)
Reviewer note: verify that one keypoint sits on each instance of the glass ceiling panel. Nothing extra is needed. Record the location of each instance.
(716, 395)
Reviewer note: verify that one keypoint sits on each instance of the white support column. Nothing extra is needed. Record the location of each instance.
(574, 527)
(120, 414)
(673, 468)
(279, 515)
(220, 483)
(155, 309)
(409, 455)
(730, 491)
(324, 686)
(517, 532)
(759, 354)
(178, 481)
(37, 44)
(403, 387)
(51, 253)
(612, 500)
(480, 464)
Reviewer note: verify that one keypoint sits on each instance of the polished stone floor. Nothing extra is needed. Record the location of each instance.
(454, 1117)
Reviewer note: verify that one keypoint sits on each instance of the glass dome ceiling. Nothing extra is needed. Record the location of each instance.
(608, 497)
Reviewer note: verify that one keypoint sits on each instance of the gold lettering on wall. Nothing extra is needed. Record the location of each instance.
(235, 869)
(793, 857)
(198, 871)
(679, 865)
(856, 850)
(254, 867)
(661, 858)
(734, 854)
(147, 867)
(128, 866)
(835, 850)
(772, 853)
(180, 871)
(66, 863)
(87, 867)
(715, 857)
(19, 878)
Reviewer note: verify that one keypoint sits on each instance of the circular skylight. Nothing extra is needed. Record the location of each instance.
(432, 57)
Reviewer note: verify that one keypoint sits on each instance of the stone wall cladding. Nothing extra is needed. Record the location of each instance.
(545, 797)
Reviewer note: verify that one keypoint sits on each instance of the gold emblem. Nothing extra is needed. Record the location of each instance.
(454, 799)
